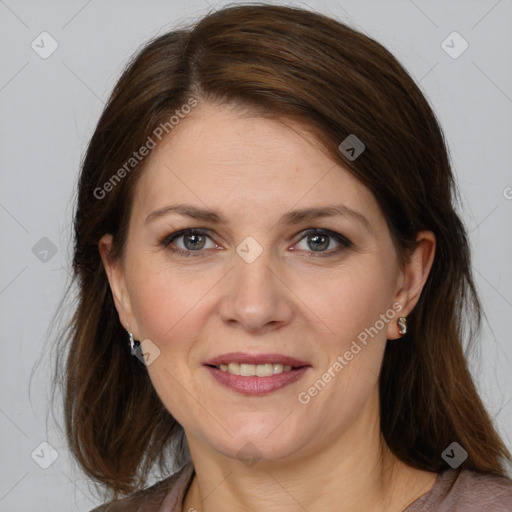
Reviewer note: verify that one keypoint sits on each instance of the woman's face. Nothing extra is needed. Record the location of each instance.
(258, 282)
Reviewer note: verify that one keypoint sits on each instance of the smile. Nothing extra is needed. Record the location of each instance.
(258, 370)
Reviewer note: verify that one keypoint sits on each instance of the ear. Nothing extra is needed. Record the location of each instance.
(412, 278)
(116, 279)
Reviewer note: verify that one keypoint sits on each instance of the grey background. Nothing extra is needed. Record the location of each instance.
(49, 108)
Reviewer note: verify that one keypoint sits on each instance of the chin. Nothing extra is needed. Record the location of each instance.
(252, 444)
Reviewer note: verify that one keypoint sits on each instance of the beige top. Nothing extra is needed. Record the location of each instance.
(453, 491)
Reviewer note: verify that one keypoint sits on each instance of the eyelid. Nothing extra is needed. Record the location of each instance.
(343, 242)
(338, 237)
(169, 238)
(319, 231)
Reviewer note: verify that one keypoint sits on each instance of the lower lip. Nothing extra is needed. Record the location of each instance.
(257, 385)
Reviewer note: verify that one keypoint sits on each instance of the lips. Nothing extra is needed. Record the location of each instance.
(253, 385)
(256, 359)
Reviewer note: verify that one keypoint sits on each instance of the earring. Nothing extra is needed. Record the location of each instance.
(132, 343)
(402, 325)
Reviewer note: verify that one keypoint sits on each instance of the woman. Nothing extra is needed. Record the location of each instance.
(272, 282)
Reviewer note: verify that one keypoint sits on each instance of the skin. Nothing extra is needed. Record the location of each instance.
(328, 454)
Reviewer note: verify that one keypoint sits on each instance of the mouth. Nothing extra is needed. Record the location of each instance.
(241, 358)
(255, 370)
(260, 374)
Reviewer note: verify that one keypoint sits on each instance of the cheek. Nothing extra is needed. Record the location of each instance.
(356, 307)
(163, 298)
(172, 303)
(165, 305)
(353, 301)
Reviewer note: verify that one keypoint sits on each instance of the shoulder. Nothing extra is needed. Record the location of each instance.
(152, 498)
(466, 491)
(483, 491)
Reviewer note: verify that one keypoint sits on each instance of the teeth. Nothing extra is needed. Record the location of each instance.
(251, 370)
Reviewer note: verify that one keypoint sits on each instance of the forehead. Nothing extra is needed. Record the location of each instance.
(242, 164)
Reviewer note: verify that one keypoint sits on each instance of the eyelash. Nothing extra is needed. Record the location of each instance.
(343, 241)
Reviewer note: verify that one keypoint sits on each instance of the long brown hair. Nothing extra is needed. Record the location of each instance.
(291, 63)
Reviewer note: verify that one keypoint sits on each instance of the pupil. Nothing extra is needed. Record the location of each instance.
(198, 244)
(317, 239)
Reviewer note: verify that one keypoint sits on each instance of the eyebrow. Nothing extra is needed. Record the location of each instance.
(291, 217)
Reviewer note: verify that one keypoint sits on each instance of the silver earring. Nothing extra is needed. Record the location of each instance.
(402, 325)
(132, 343)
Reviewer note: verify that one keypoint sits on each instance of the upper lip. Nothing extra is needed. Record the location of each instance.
(243, 357)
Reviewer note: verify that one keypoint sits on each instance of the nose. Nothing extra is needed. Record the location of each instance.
(256, 297)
